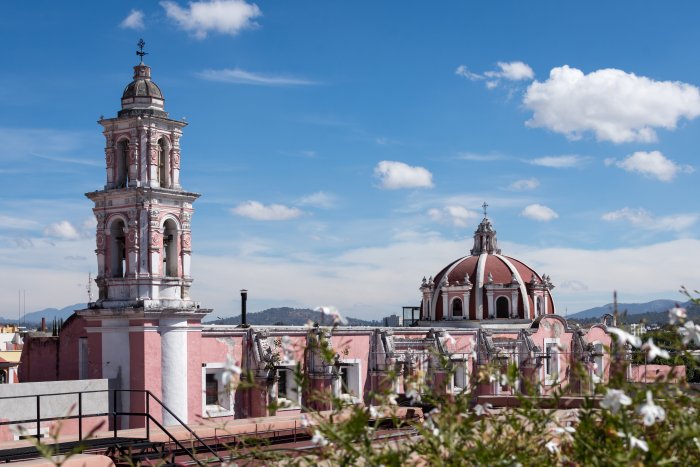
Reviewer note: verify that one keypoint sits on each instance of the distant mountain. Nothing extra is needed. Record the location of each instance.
(50, 313)
(653, 306)
(286, 316)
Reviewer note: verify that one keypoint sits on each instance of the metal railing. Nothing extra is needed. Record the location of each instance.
(114, 413)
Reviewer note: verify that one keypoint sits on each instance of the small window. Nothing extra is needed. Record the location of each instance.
(3, 377)
(287, 391)
(122, 164)
(83, 358)
(551, 361)
(598, 360)
(502, 306)
(459, 377)
(170, 260)
(347, 385)
(457, 307)
(217, 399)
(118, 249)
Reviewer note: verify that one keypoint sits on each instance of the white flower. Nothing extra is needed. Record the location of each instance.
(552, 447)
(447, 337)
(677, 314)
(653, 351)
(319, 439)
(480, 409)
(332, 312)
(690, 332)
(638, 443)
(373, 412)
(502, 379)
(229, 370)
(565, 429)
(392, 399)
(613, 399)
(286, 348)
(413, 396)
(651, 412)
(304, 420)
(624, 336)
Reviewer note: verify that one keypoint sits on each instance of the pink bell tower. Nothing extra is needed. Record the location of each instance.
(144, 321)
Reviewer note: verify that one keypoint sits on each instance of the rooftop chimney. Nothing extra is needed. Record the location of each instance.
(244, 299)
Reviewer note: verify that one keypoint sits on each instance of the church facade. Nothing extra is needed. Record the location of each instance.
(145, 332)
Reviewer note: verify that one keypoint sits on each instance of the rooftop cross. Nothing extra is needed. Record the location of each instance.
(484, 206)
(140, 52)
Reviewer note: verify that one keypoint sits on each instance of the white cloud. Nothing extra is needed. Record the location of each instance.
(394, 175)
(612, 104)
(266, 212)
(524, 184)
(320, 199)
(651, 164)
(458, 216)
(133, 21)
(471, 156)
(512, 71)
(63, 230)
(17, 223)
(539, 212)
(559, 162)
(574, 285)
(238, 76)
(464, 72)
(222, 16)
(645, 220)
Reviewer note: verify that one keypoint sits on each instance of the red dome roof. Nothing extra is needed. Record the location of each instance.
(495, 285)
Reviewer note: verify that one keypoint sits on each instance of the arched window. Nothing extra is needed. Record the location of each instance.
(164, 163)
(117, 249)
(502, 306)
(457, 307)
(122, 164)
(170, 248)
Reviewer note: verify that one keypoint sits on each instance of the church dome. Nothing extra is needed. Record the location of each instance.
(486, 285)
(142, 96)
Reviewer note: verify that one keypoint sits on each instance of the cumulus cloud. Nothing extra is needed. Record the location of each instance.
(524, 184)
(133, 21)
(559, 162)
(539, 212)
(63, 230)
(320, 199)
(651, 164)
(643, 219)
(238, 76)
(509, 71)
(393, 175)
(266, 212)
(612, 104)
(458, 216)
(222, 16)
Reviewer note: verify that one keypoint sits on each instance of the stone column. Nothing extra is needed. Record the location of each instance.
(174, 368)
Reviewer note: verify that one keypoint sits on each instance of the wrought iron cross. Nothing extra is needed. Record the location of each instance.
(484, 206)
(140, 52)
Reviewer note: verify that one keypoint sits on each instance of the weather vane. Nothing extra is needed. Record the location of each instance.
(140, 52)
(484, 206)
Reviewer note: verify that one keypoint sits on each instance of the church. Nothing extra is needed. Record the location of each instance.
(145, 331)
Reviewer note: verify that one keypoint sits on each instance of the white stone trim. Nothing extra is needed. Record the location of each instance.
(523, 289)
(548, 379)
(479, 297)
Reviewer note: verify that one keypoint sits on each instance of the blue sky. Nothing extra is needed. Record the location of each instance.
(343, 149)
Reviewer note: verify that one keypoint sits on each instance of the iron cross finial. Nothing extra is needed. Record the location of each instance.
(484, 206)
(140, 52)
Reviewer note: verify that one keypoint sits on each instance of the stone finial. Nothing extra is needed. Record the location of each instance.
(424, 283)
(490, 278)
(466, 279)
(514, 279)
